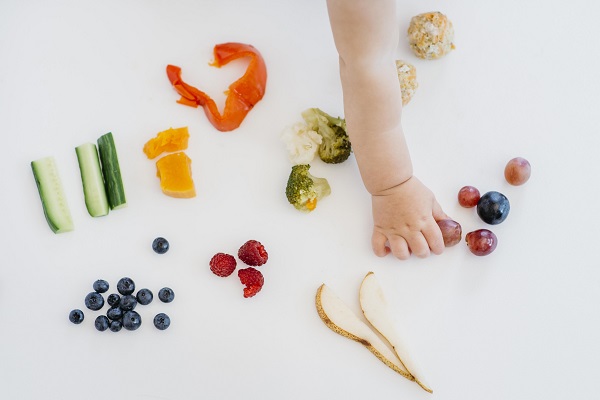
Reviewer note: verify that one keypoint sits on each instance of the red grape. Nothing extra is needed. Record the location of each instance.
(517, 171)
(468, 196)
(481, 242)
(451, 231)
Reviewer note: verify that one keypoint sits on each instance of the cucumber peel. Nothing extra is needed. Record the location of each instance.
(111, 171)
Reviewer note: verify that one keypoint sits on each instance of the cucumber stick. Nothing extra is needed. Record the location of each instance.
(52, 195)
(111, 172)
(92, 180)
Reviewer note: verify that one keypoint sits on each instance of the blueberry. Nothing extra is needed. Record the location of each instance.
(76, 316)
(160, 245)
(100, 286)
(113, 299)
(162, 321)
(126, 286)
(493, 208)
(114, 313)
(131, 320)
(166, 295)
(101, 323)
(115, 326)
(94, 301)
(144, 297)
(127, 303)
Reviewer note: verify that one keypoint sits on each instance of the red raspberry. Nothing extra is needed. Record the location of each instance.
(253, 253)
(222, 264)
(253, 279)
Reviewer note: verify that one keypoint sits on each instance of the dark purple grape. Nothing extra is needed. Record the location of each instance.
(493, 208)
(481, 242)
(451, 231)
(468, 196)
(517, 171)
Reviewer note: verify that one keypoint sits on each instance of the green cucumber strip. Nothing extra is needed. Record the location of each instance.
(111, 172)
(52, 195)
(91, 177)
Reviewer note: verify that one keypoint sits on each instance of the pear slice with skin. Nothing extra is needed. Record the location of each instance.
(339, 318)
(375, 308)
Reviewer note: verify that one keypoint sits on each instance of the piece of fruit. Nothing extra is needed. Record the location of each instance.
(127, 303)
(111, 172)
(175, 173)
(253, 280)
(94, 191)
(253, 253)
(481, 242)
(94, 301)
(125, 286)
(76, 316)
(517, 171)
(162, 321)
(115, 325)
(493, 208)
(113, 299)
(54, 201)
(144, 296)
(166, 295)
(376, 310)
(131, 320)
(114, 313)
(101, 323)
(160, 245)
(339, 318)
(100, 286)
(451, 231)
(173, 139)
(468, 196)
(222, 264)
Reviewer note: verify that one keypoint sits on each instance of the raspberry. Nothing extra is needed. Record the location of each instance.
(222, 264)
(253, 253)
(253, 279)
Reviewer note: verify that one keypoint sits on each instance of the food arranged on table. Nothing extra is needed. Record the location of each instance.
(318, 133)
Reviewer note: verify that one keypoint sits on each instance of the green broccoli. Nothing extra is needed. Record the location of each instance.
(336, 147)
(304, 190)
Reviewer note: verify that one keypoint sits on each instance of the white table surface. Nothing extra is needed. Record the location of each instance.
(522, 323)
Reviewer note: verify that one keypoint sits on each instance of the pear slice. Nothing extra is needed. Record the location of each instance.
(375, 308)
(339, 318)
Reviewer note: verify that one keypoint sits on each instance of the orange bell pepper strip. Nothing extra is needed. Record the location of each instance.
(242, 95)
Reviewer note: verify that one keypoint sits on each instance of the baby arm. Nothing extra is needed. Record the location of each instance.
(404, 210)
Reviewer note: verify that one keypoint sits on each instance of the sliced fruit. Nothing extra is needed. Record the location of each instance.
(52, 195)
(94, 191)
(339, 318)
(376, 311)
(111, 172)
(175, 173)
(173, 139)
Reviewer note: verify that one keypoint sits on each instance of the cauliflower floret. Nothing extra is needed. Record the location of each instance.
(302, 143)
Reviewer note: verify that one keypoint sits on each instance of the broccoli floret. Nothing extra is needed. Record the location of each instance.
(336, 147)
(304, 190)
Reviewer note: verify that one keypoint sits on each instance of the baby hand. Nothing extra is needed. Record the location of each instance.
(404, 219)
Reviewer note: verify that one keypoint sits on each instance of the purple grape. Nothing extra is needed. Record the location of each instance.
(451, 231)
(468, 196)
(481, 242)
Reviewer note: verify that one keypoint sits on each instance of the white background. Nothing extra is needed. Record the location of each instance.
(522, 323)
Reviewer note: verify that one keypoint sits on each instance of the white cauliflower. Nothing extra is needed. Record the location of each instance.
(302, 143)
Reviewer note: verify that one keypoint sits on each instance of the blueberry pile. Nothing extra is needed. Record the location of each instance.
(121, 313)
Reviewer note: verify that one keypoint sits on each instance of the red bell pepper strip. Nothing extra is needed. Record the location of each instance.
(242, 95)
